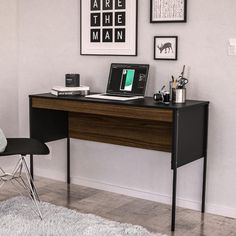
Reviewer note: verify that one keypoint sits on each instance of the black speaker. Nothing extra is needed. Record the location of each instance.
(72, 80)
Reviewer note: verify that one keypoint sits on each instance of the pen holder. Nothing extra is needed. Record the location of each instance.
(179, 95)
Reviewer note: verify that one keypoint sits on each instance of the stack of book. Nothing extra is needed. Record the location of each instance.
(70, 91)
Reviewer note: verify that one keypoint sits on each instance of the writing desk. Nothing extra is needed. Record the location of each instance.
(180, 129)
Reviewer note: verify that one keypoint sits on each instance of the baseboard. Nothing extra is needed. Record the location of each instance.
(132, 192)
(138, 193)
(157, 197)
(221, 210)
(51, 174)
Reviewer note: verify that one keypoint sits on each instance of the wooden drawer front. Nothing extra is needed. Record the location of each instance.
(122, 131)
(154, 114)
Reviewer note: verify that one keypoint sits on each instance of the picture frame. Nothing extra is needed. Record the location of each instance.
(166, 48)
(168, 11)
(108, 27)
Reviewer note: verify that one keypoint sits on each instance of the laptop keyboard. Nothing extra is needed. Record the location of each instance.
(113, 95)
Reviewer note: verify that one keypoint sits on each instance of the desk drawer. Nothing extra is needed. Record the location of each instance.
(155, 114)
(131, 132)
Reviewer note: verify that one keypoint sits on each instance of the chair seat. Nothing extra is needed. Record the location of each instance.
(24, 146)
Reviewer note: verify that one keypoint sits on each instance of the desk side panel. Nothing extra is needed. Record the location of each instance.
(190, 138)
(122, 131)
(48, 125)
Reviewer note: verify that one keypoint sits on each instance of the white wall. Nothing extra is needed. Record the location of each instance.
(8, 71)
(8, 68)
(49, 48)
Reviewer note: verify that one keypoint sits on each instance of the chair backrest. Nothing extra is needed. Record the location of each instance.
(3, 141)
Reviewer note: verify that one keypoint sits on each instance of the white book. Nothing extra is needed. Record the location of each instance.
(69, 93)
(70, 89)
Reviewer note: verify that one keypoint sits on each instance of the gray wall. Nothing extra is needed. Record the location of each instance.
(48, 46)
(8, 68)
(8, 71)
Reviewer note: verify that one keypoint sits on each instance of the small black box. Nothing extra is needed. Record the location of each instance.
(72, 80)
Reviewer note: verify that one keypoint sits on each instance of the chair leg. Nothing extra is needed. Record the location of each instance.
(2, 176)
(34, 195)
(5, 177)
(16, 177)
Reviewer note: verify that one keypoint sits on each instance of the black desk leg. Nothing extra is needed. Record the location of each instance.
(32, 166)
(174, 199)
(204, 184)
(68, 160)
(205, 159)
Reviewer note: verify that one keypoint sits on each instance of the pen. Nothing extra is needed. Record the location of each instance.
(182, 74)
(162, 88)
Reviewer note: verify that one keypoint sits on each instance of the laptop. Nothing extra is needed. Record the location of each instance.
(126, 82)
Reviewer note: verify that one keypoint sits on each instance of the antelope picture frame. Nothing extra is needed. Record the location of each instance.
(165, 48)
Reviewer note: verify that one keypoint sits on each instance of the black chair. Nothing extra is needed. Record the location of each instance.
(23, 147)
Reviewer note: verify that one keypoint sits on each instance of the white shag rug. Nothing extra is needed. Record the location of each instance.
(17, 218)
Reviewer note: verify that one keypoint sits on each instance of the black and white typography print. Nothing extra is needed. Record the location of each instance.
(108, 27)
(168, 9)
(107, 21)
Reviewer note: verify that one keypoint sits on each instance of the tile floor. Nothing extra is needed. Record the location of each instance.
(151, 215)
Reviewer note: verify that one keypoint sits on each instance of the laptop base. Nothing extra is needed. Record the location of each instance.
(112, 97)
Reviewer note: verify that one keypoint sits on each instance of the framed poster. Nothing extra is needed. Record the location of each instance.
(164, 11)
(108, 27)
(165, 47)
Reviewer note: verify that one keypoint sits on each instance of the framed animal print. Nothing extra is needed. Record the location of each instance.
(165, 47)
(108, 27)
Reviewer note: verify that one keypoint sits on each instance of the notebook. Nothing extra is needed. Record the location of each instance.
(126, 82)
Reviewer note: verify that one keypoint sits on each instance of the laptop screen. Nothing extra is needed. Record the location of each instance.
(127, 79)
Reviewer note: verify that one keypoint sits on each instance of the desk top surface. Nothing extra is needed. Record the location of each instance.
(146, 102)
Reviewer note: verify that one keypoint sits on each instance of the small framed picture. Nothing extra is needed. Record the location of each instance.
(164, 11)
(165, 47)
